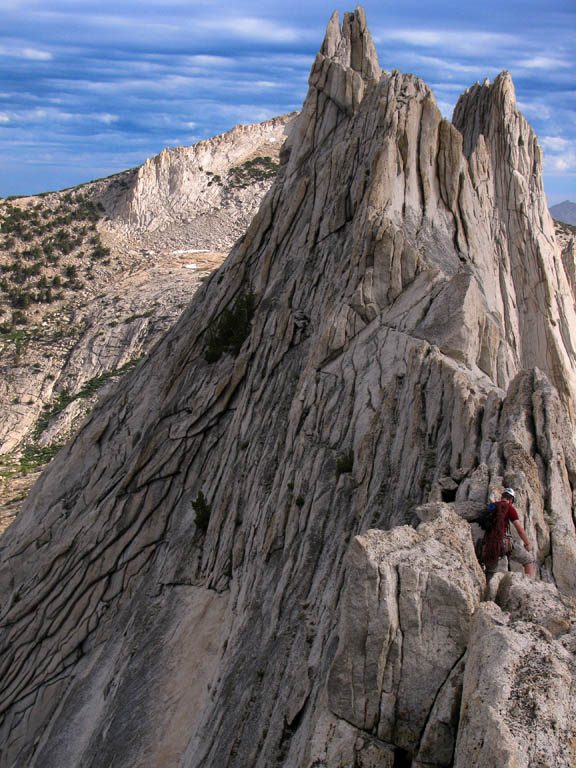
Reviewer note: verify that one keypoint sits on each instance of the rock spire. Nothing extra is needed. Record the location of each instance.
(185, 584)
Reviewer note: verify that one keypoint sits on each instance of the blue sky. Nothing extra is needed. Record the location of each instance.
(90, 88)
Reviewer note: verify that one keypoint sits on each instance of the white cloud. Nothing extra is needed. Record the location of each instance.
(564, 163)
(253, 28)
(446, 108)
(106, 118)
(458, 88)
(555, 143)
(450, 67)
(243, 113)
(283, 60)
(559, 154)
(535, 109)
(32, 54)
(36, 55)
(52, 115)
(544, 62)
(209, 61)
(267, 84)
(461, 41)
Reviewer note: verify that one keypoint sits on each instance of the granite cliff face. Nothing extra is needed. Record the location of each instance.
(260, 560)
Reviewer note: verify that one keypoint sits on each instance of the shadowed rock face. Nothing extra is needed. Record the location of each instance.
(413, 316)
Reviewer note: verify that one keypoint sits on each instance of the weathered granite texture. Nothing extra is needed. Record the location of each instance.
(406, 621)
(411, 343)
(518, 701)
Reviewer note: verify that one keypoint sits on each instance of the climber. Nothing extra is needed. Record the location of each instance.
(497, 542)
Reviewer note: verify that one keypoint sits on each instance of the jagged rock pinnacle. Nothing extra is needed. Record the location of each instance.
(351, 46)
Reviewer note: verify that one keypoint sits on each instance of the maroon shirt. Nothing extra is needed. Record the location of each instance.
(511, 513)
(495, 545)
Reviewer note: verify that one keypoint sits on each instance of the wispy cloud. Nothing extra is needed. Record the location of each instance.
(451, 67)
(106, 118)
(545, 62)
(107, 83)
(36, 55)
(253, 28)
(565, 163)
(467, 41)
(32, 54)
(535, 109)
(208, 61)
(53, 115)
(559, 154)
(555, 143)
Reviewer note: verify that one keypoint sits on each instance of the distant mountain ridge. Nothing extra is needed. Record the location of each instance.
(565, 212)
(203, 196)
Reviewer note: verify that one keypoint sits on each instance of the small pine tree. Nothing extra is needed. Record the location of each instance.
(232, 328)
(345, 463)
(202, 509)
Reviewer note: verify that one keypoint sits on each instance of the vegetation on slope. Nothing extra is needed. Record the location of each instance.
(252, 171)
(45, 250)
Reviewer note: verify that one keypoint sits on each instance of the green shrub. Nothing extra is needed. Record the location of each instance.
(99, 252)
(131, 319)
(35, 456)
(345, 463)
(88, 389)
(19, 318)
(258, 169)
(20, 299)
(202, 509)
(570, 227)
(32, 253)
(232, 328)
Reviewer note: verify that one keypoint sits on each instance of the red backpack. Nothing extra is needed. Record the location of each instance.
(497, 539)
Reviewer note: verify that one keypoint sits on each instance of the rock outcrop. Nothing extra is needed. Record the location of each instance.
(406, 619)
(518, 689)
(204, 195)
(429, 674)
(180, 588)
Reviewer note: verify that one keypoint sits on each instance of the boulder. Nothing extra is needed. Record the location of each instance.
(518, 701)
(405, 620)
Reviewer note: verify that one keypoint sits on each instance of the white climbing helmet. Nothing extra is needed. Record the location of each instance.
(510, 492)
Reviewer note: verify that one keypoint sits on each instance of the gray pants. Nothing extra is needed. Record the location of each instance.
(519, 555)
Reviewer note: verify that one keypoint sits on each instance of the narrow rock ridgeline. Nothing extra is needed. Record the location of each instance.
(393, 331)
